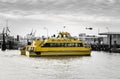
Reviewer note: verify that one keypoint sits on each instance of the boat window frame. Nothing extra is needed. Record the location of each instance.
(62, 45)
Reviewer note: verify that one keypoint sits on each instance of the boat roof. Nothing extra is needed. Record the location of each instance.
(63, 38)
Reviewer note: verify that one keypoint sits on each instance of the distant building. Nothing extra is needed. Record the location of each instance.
(113, 37)
(92, 39)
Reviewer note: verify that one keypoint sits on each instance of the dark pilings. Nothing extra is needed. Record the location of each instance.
(110, 43)
(4, 43)
(10, 43)
(18, 38)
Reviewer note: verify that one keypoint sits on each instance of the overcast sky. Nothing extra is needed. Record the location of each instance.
(76, 15)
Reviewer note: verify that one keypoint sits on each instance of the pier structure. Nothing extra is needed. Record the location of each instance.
(108, 41)
(91, 39)
(113, 41)
(95, 41)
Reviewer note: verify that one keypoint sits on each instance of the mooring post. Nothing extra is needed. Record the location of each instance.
(110, 43)
(4, 43)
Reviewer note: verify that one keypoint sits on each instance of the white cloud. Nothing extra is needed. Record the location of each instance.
(106, 1)
(87, 7)
(74, 18)
(52, 13)
(9, 1)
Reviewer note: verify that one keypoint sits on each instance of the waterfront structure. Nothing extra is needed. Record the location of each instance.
(63, 44)
(113, 41)
(91, 39)
(98, 43)
(112, 37)
(11, 42)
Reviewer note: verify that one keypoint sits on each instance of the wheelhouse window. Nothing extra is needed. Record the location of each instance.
(63, 45)
(46, 45)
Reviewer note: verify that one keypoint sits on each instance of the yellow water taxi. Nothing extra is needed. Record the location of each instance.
(63, 44)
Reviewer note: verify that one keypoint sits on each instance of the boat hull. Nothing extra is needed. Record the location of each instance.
(58, 53)
(22, 52)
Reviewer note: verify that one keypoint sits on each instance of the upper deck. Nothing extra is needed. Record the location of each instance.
(63, 39)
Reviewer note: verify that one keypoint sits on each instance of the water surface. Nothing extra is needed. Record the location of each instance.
(100, 65)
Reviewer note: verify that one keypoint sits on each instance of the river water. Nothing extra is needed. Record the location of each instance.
(100, 65)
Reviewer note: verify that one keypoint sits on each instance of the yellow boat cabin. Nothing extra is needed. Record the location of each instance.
(63, 44)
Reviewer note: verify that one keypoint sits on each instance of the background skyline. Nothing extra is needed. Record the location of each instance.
(76, 15)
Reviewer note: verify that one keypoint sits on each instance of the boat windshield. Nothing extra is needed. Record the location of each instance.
(63, 45)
